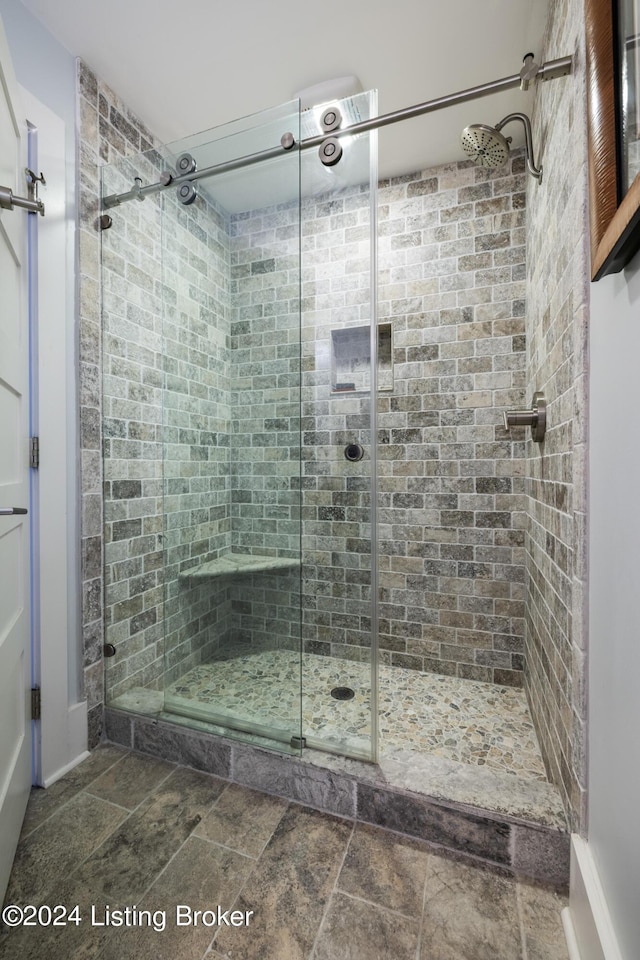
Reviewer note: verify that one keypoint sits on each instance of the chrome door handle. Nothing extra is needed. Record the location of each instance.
(10, 511)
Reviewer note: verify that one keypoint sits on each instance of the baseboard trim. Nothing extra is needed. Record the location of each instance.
(588, 921)
(67, 767)
(570, 935)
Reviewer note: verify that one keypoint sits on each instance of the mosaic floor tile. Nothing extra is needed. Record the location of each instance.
(466, 721)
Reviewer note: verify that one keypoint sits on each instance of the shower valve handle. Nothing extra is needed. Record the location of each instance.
(536, 418)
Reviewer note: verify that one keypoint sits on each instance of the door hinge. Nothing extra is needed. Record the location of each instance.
(34, 453)
(36, 703)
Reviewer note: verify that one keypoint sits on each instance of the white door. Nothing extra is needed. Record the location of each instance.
(15, 733)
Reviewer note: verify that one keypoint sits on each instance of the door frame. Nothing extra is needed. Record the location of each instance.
(60, 738)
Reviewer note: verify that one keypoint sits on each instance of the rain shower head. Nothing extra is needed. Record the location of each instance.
(487, 147)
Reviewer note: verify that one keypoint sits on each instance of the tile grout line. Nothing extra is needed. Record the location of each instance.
(424, 906)
(240, 891)
(372, 903)
(121, 823)
(521, 923)
(132, 810)
(111, 803)
(222, 846)
(138, 900)
(176, 852)
(81, 790)
(330, 897)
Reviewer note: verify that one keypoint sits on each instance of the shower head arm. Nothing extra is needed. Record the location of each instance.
(528, 141)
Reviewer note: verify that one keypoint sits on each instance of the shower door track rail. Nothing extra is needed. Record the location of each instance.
(550, 70)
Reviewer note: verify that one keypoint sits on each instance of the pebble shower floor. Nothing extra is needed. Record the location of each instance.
(467, 721)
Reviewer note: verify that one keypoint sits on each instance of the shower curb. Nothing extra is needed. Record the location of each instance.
(511, 845)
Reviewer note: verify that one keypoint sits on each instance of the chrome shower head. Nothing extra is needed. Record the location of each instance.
(488, 148)
(485, 145)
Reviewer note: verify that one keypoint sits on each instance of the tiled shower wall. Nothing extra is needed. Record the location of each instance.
(107, 132)
(165, 314)
(172, 271)
(452, 508)
(264, 379)
(557, 322)
(131, 282)
(196, 429)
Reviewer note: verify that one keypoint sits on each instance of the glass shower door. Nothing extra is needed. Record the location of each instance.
(340, 349)
(241, 359)
(231, 428)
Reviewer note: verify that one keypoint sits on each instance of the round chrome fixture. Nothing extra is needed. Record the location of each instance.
(185, 164)
(485, 145)
(330, 151)
(330, 119)
(187, 193)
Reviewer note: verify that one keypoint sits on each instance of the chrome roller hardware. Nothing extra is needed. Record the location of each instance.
(536, 418)
(331, 120)
(187, 193)
(330, 151)
(185, 164)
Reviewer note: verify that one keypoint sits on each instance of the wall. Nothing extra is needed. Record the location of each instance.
(614, 557)
(557, 316)
(107, 133)
(45, 68)
(265, 420)
(165, 324)
(163, 311)
(451, 508)
(451, 280)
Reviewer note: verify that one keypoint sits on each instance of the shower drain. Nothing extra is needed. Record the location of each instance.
(342, 693)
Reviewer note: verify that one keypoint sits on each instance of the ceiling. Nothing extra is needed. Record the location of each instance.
(187, 68)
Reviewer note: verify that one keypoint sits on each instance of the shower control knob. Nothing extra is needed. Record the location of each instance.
(536, 418)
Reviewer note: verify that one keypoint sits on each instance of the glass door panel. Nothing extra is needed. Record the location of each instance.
(339, 349)
(231, 426)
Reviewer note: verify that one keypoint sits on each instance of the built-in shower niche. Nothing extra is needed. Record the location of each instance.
(351, 359)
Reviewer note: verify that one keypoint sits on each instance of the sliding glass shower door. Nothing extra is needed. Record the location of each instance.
(231, 424)
(240, 370)
(340, 349)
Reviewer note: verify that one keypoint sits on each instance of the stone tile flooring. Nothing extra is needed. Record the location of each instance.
(466, 721)
(123, 830)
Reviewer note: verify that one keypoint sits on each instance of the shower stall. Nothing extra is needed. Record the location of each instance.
(314, 520)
